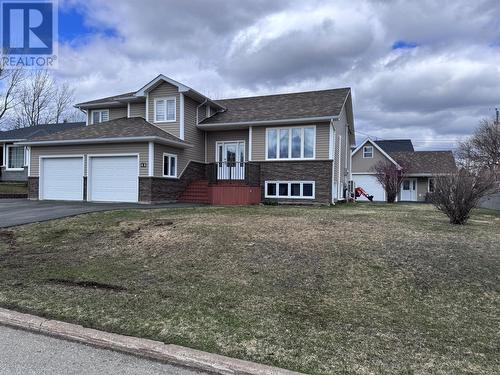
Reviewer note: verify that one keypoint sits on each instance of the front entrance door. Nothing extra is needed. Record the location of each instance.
(409, 190)
(230, 160)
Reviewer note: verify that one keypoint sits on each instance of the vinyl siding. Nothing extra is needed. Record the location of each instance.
(259, 141)
(422, 188)
(112, 148)
(341, 152)
(138, 110)
(182, 159)
(115, 113)
(228, 135)
(192, 134)
(360, 164)
(165, 90)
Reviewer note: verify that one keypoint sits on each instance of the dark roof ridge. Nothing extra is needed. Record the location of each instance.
(283, 94)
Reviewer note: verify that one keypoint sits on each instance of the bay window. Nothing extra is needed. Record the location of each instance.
(290, 143)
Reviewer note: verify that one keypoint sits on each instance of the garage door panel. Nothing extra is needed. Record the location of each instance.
(113, 178)
(62, 178)
(370, 184)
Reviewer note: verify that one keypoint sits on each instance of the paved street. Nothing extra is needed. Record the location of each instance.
(26, 353)
(22, 211)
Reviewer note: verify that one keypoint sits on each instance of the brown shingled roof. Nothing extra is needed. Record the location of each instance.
(281, 107)
(107, 99)
(426, 162)
(120, 128)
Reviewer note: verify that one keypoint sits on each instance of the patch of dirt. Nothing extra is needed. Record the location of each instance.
(87, 284)
(8, 237)
(130, 229)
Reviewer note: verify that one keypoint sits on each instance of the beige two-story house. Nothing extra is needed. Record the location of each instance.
(167, 142)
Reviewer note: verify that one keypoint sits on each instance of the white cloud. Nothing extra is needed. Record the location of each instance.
(437, 91)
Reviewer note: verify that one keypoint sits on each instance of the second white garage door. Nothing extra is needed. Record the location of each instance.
(371, 186)
(113, 178)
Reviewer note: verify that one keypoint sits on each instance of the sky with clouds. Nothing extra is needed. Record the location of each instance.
(427, 70)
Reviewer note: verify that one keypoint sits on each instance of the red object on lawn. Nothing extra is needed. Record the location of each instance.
(362, 192)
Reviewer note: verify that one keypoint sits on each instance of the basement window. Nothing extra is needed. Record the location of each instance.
(290, 189)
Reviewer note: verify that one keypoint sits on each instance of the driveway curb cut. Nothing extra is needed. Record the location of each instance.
(172, 354)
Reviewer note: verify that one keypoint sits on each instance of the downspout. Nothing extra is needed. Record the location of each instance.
(197, 111)
(198, 121)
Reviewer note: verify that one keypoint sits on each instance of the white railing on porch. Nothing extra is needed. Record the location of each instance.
(230, 170)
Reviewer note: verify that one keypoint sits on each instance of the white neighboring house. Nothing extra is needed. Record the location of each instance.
(422, 167)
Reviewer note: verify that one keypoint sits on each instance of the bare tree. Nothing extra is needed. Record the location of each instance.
(390, 176)
(40, 100)
(482, 149)
(64, 97)
(10, 79)
(456, 194)
(35, 97)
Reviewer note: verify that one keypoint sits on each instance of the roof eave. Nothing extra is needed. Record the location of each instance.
(245, 124)
(378, 148)
(110, 104)
(12, 140)
(161, 140)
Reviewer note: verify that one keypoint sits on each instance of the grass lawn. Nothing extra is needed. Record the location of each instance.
(13, 188)
(367, 289)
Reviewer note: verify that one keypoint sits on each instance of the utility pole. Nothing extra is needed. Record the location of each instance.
(498, 115)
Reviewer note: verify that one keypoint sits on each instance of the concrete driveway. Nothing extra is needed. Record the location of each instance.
(19, 211)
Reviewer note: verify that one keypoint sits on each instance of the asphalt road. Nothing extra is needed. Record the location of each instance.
(26, 353)
(21, 211)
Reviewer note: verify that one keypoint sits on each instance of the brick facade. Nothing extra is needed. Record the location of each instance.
(314, 170)
(33, 188)
(158, 189)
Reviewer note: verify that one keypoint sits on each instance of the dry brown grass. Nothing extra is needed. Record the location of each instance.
(363, 290)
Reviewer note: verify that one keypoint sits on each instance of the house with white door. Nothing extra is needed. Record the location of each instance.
(422, 167)
(167, 142)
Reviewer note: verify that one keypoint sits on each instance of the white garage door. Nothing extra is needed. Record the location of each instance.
(371, 186)
(113, 178)
(61, 178)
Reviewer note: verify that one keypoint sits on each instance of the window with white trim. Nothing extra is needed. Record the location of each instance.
(291, 143)
(15, 157)
(165, 109)
(100, 115)
(368, 152)
(169, 165)
(290, 189)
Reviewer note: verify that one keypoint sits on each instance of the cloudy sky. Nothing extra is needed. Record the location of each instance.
(427, 70)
